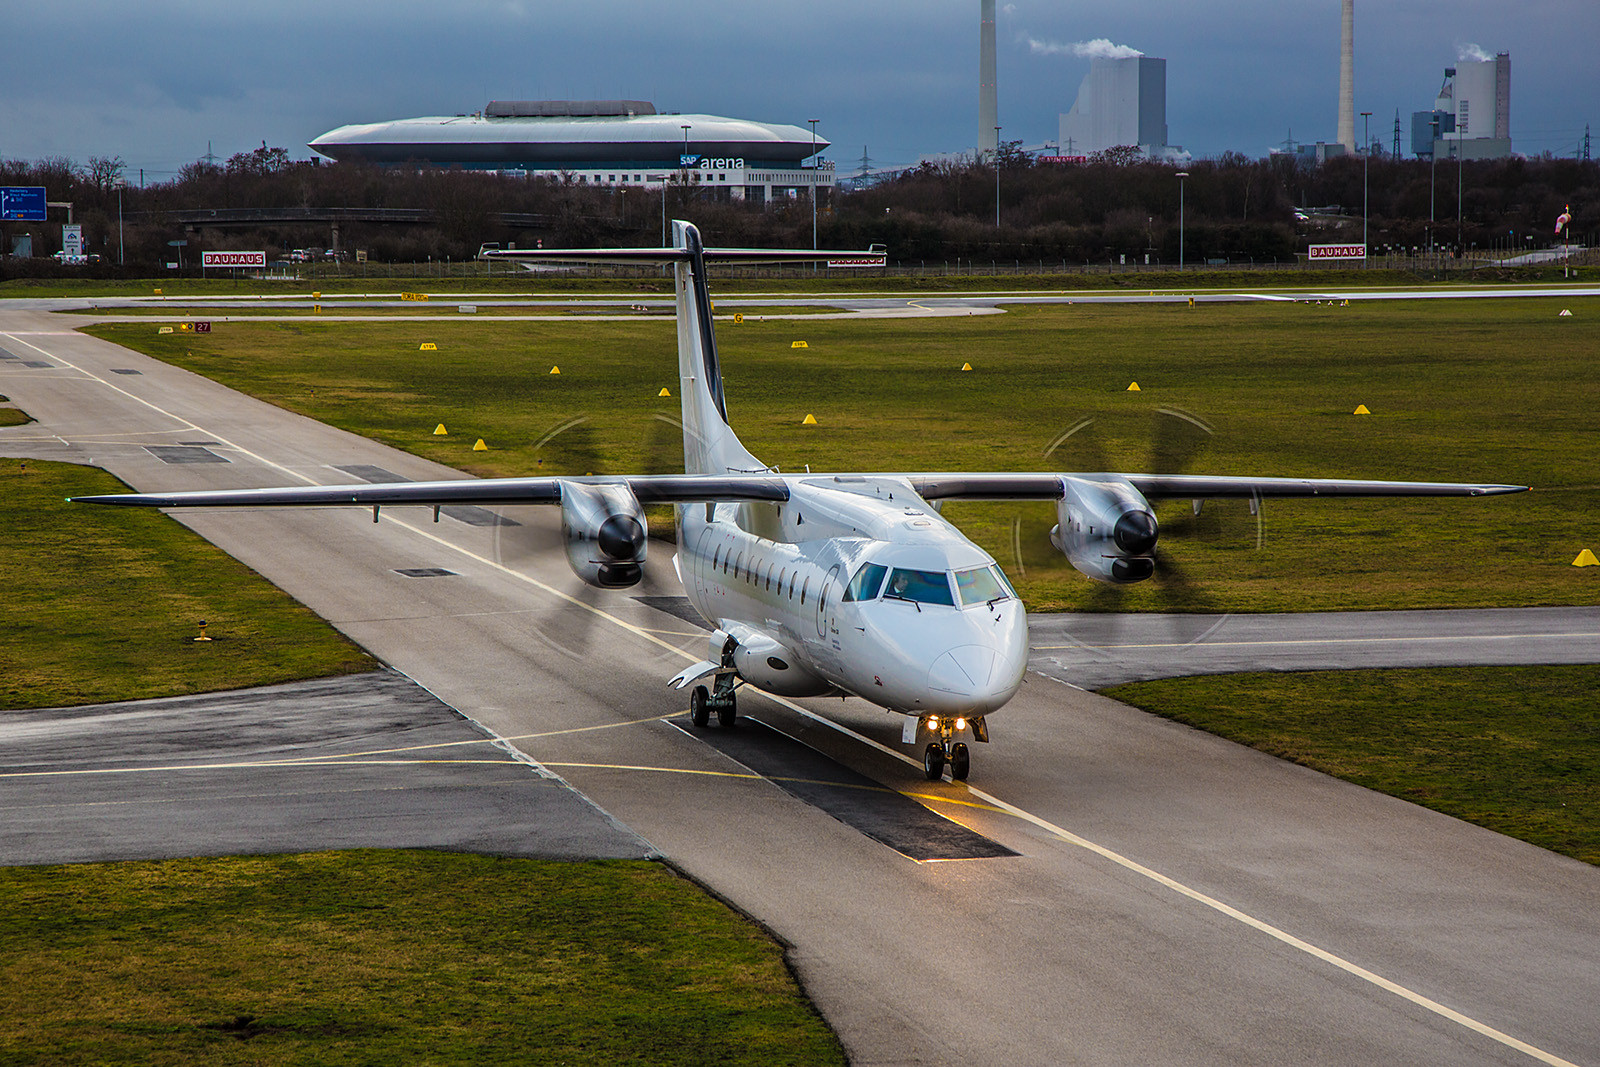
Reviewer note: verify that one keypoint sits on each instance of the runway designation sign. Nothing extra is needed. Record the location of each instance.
(233, 259)
(1337, 252)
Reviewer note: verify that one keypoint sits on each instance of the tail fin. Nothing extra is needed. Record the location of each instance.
(709, 444)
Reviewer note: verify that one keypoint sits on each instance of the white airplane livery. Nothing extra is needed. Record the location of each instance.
(848, 584)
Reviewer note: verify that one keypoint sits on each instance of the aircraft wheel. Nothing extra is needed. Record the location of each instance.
(700, 706)
(727, 712)
(933, 762)
(960, 762)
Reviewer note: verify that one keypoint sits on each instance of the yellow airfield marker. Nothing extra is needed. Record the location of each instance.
(480, 446)
(316, 309)
(1586, 559)
(1566, 313)
(555, 370)
(809, 420)
(156, 291)
(1133, 387)
(164, 329)
(440, 431)
(799, 344)
(966, 366)
(1191, 301)
(664, 391)
(427, 346)
(738, 317)
(316, 296)
(1361, 409)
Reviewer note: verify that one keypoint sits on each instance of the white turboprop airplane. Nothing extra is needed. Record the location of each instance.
(825, 584)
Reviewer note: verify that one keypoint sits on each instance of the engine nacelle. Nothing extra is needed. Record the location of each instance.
(605, 531)
(1106, 529)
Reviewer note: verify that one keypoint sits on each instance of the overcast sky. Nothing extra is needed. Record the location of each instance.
(154, 81)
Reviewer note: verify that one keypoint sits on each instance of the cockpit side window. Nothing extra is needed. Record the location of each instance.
(981, 585)
(864, 586)
(925, 587)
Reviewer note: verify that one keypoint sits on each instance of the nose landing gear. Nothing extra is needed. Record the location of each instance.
(946, 750)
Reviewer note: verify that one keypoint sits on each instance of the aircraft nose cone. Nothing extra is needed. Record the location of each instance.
(621, 537)
(1135, 532)
(964, 670)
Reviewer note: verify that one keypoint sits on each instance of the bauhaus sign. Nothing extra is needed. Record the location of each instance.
(1337, 252)
(233, 259)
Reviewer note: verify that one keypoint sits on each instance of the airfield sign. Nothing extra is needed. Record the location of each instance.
(22, 203)
(1336, 252)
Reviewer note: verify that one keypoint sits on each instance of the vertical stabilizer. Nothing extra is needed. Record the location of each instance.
(709, 443)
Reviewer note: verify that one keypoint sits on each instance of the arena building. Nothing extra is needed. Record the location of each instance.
(604, 142)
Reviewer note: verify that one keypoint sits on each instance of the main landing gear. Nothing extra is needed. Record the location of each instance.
(947, 750)
(703, 702)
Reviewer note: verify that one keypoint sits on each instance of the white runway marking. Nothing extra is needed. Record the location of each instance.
(1406, 638)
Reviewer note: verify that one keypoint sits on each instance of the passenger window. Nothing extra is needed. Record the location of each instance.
(716, 560)
(792, 577)
(803, 587)
(866, 583)
(737, 564)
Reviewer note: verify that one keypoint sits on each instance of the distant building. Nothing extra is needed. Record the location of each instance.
(1471, 117)
(598, 142)
(1121, 102)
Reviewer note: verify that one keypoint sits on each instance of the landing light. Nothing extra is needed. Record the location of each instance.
(961, 724)
(933, 723)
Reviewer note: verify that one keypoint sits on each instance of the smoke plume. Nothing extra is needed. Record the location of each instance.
(1467, 53)
(1099, 48)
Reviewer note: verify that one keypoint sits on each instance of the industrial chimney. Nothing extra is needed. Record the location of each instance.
(988, 108)
(1347, 78)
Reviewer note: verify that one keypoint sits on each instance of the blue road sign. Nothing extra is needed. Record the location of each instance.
(22, 203)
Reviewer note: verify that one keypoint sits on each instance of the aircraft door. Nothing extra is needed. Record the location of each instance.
(825, 607)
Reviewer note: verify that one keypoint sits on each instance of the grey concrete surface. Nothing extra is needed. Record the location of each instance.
(365, 761)
(1094, 651)
(1176, 899)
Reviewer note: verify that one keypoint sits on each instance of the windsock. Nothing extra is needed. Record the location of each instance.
(1566, 217)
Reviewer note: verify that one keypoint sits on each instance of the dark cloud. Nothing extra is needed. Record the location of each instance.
(154, 81)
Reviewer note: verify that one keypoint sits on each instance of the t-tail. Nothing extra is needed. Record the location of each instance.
(709, 444)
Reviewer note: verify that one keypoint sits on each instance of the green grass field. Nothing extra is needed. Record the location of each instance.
(1514, 749)
(1481, 390)
(389, 958)
(103, 603)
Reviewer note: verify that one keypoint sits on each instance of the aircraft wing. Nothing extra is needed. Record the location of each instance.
(1039, 486)
(648, 489)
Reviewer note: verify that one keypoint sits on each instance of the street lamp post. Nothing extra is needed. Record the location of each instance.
(1182, 174)
(1366, 152)
(121, 260)
(813, 183)
(997, 177)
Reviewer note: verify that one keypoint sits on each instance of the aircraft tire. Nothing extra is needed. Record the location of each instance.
(699, 706)
(727, 712)
(933, 762)
(960, 762)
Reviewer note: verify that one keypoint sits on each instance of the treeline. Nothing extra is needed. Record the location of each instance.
(1114, 208)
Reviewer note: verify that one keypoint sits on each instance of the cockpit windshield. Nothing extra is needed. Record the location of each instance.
(924, 587)
(864, 586)
(981, 585)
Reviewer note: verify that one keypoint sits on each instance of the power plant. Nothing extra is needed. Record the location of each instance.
(1471, 116)
(1122, 101)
